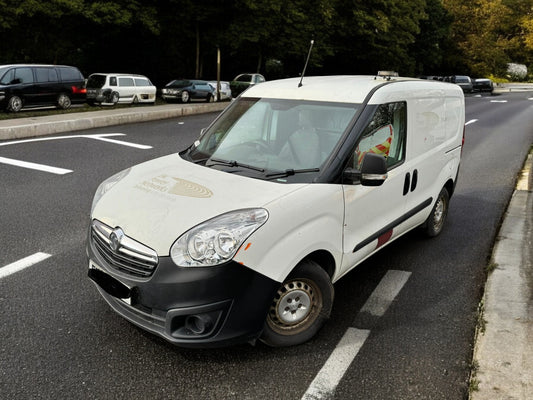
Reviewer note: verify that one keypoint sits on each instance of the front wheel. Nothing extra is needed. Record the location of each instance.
(435, 222)
(185, 97)
(14, 104)
(300, 307)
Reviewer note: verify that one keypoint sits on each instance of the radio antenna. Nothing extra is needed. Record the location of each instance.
(306, 61)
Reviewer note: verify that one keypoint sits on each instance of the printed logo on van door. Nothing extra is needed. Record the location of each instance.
(175, 186)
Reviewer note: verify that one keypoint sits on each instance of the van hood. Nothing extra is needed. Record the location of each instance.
(159, 200)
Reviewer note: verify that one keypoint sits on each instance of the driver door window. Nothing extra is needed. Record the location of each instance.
(384, 135)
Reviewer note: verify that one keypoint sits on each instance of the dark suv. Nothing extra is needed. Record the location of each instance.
(23, 85)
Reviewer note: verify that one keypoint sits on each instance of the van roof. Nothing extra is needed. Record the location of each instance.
(339, 88)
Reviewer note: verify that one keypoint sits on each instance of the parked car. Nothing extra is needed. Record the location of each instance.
(225, 90)
(483, 85)
(464, 82)
(241, 235)
(243, 82)
(25, 85)
(185, 90)
(112, 88)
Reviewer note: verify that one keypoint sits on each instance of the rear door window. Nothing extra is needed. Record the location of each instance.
(44, 75)
(125, 82)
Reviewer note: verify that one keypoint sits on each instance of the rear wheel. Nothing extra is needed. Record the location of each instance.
(301, 306)
(14, 104)
(435, 222)
(63, 101)
(114, 98)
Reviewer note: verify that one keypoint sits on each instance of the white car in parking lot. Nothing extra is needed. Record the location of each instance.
(225, 90)
(104, 88)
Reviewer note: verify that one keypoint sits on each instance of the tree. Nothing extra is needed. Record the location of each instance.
(429, 47)
(376, 35)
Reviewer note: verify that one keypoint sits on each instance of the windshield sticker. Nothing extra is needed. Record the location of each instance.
(175, 186)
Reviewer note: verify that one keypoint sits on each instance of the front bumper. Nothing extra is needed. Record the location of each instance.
(190, 307)
(168, 96)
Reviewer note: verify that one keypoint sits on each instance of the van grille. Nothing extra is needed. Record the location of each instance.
(121, 252)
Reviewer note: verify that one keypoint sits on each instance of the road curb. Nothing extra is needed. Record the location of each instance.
(503, 353)
(59, 123)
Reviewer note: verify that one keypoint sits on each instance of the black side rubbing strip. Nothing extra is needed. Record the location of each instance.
(394, 224)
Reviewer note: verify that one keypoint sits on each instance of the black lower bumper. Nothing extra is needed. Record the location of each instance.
(190, 307)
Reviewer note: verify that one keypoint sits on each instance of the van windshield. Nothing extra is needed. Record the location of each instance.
(96, 81)
(273, 136)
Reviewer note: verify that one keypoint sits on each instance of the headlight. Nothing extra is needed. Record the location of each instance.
(217, 240)
(108, 184)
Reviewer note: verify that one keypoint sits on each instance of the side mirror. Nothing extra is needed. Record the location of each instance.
(373, 171)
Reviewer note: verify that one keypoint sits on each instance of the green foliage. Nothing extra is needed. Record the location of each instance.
(166, 39)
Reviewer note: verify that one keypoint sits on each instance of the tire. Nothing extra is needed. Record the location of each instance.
(63, 101)
(300, 308)
(113, 99)
(14, 104)
(185, 97)
(435, 222)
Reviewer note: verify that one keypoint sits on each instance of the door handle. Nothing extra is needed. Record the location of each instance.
(406, 183)
(415, 180)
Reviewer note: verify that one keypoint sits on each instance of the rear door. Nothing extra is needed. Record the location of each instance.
(126, 89)
(47, 85)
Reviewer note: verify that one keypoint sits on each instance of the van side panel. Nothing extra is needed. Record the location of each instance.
(433, 149)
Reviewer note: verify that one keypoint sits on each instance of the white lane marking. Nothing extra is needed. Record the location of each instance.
(337, 364)
(385, 293)
(138, 146)
(329, 376)
(100, 136)
(498, 101)
(21, 264)
(30, 165)
(472, 121)
(60, 138)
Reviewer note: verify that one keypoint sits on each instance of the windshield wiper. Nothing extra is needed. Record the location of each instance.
(232, 163)
(289, 172)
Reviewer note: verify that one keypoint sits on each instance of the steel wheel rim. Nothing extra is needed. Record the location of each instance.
(64, 101)
(15, 103)
(294, 307)
(438, 215)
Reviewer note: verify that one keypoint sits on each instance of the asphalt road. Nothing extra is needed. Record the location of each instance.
(59, 339)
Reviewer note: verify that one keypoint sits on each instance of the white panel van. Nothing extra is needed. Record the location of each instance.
(242, 235)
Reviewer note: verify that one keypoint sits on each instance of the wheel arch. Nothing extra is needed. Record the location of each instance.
(323, 258)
